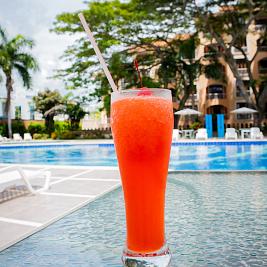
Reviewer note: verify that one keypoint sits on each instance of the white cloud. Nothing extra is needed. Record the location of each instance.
(34, 19)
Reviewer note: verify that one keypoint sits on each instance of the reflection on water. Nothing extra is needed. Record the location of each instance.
(184, 157)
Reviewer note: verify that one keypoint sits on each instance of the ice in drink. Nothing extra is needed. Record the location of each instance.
(142, 130)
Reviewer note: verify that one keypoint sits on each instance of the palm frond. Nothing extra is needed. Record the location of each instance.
(26, 60)
(24, 74)
(19, 42)
(3, 37)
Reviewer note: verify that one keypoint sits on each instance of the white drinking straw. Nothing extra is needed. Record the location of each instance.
(97, 51)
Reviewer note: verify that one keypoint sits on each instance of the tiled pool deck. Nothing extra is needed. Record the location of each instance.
(71, 188)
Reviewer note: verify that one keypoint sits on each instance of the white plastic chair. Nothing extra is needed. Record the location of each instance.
(17, 137)
(176, 134)
(255, 133)
(27, 137)
(202, 133)
(10, 175)
(230, 133)
(3, 138)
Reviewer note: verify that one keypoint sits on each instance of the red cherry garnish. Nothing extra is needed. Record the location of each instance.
(144, 91)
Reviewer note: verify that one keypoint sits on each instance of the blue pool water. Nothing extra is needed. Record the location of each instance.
(212, 219)
(236, 156)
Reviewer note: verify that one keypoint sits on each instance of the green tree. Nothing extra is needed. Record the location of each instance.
(15, 57)
(151, 30)
(122, 69)
(49, 103)
(76, 113)
(135, 27)
(228, 23)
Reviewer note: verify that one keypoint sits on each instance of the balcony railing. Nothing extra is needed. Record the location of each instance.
(243, 116)
(262, 48)
(262, 70)
(215, 96)
(243, 72)
(237, 51)
(240, 94)
(260, 27)
(209, 54)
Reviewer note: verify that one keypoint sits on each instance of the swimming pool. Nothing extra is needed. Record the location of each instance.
(184, 156)
(217, 219)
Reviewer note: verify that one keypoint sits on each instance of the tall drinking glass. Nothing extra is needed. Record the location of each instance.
(142, 122)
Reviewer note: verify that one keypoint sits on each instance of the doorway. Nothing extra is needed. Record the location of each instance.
(214, 111)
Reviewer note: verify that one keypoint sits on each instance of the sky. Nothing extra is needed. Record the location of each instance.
(34, 19)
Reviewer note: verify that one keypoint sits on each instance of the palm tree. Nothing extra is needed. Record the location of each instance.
(15, 58)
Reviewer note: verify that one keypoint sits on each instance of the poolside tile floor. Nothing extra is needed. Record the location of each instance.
(71, 188)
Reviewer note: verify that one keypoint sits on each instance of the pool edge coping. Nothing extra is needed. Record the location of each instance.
(110, 142)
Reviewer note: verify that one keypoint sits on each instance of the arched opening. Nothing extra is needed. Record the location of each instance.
(263, 66)
(215, 91)
(215, 110)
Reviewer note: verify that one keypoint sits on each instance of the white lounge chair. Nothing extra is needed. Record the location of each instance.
(12, 173)
(202, 133)
(176, 134)
(255, 133)
(230, 133)
(27, 137)
(3, 138)
(17, 137)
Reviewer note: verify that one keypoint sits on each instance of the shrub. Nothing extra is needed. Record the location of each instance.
(54, 135)
(61, 126)
(34, 128)
(18, 127)
(3, 129)
(38, 136)
(86, 134)
(67, 135)
(196, 125)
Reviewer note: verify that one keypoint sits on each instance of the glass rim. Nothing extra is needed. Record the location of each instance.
(137, 90)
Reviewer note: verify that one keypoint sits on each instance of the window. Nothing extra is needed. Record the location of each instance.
(18, 112)
(241, 63)
(262, 44)
(3, 114)
(212, 49)
(215, 91)
(188, 106)
(261, 21)
(239, 92)
(31, 106)
(263, 66)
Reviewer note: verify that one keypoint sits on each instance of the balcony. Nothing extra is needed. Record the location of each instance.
(216, 96)
(262, 70)
(237, 51)
(209, 54)
(262, 48)
(240, 94)
(243, 116)
(243, 72)
(260, 27)
(238, 54)
(192, 98)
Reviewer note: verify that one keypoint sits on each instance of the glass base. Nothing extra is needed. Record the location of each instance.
(161, 258)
